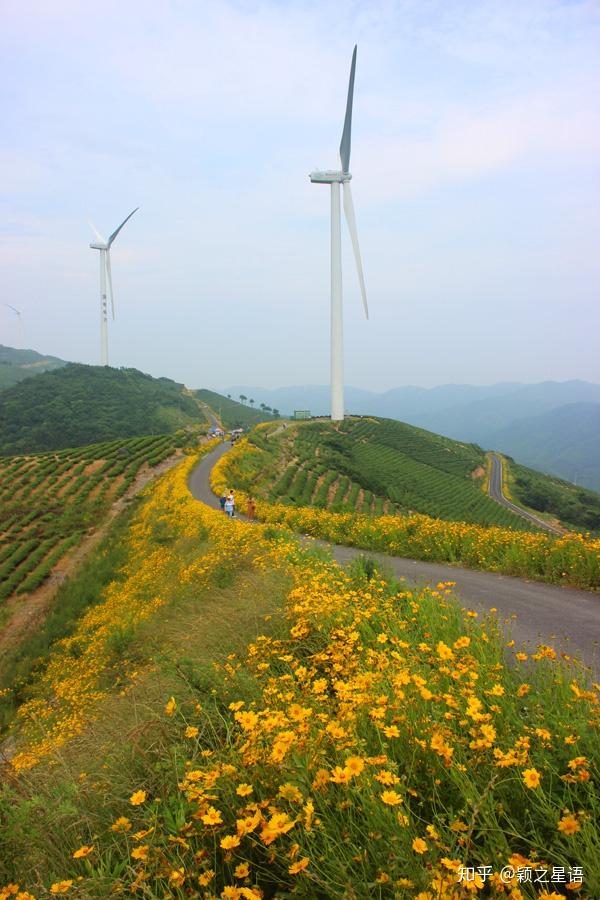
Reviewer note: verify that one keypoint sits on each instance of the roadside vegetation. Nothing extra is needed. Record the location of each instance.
(241, 718)
(51, 500)
(575, 506)
(571, 559)
(233, 414)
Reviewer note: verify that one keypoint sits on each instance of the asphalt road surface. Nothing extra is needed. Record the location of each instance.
(495, 492)
(567, 619)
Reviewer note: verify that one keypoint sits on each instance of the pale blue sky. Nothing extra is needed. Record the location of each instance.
(475, 158)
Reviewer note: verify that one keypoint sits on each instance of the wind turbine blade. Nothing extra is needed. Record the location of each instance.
(346, 133)
(115, 233)
(97, 233)
(13, 308)
(109, 281)
(351, 220)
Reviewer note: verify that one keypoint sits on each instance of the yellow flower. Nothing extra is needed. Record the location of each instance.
(443, 651)
(289, 792)
(171, 706)
(191, 731)
(61, 887)
(419, 845)
(177, 877)
(138, 798)
(391, 798)
(140, 852)
(354, 765)
(242, 871)
(230, 841)
(206, 878)
(244, 789)
(122, 824)
(299, 866)
(569, 824)
(532, 778)
(212, 816)
(83, 851)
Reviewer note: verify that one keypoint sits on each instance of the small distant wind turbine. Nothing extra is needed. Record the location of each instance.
(20, 318)
(335, 179)
(106, 278)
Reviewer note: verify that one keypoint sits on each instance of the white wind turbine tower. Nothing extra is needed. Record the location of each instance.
(335, 179)
(106, 280)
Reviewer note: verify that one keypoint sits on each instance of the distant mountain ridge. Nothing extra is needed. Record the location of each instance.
(16, 365)
(504, 416)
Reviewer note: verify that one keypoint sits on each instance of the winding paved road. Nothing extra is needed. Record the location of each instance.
(566, 618)
(495, 492)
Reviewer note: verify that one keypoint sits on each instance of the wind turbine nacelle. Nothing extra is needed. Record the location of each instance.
(98, 247)
(329, 177)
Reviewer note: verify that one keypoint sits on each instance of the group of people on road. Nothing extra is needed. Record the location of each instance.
(227, 502)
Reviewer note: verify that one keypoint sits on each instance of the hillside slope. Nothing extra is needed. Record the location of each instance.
(376, 466)
(78, 405)
(231, 413)
(16, 365)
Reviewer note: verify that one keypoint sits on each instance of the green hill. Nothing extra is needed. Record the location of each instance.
(78, 405)
(16, 365)
(375, 466)
(231, 413)
(576, 507)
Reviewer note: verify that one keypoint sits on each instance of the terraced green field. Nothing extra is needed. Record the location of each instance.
(377, 466)
(49, 501)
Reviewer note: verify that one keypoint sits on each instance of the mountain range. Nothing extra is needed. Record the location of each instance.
(551, 426)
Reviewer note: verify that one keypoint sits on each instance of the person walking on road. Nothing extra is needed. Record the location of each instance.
(222, 500)
(230, 504)
(251, 510)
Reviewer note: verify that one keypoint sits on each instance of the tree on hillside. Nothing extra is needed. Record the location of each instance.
(251, 402)
(243, 398)
(276, 413)
(229, 396)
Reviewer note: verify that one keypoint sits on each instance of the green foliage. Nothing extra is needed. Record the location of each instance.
(77, 594)
(231, 413)
(50, 501)
(366, 465)
(574, 506)
(78, 405)
(16, 365)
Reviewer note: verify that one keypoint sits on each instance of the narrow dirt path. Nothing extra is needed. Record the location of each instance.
(532, 612)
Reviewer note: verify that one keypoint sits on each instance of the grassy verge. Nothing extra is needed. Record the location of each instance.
(284, 727)
(21, 666)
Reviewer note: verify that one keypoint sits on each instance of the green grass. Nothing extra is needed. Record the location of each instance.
(21, 665)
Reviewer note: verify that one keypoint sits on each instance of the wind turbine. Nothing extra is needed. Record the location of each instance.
(335, 179)
(20, 318)
(106, 279)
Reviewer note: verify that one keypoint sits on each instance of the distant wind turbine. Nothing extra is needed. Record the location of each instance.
(20, 318)
(106, 279)
(335, 179)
